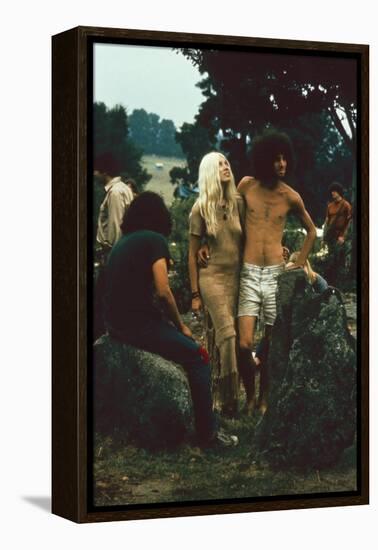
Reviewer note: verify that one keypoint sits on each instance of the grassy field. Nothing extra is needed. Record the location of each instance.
(160, 181)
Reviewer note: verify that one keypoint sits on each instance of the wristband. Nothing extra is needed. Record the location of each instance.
(195, 294)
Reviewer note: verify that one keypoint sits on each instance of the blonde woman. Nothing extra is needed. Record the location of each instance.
(215, 217)
(318, 283)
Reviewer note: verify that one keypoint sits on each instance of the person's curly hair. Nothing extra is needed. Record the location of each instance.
(336, 186)
(147, 212)
(265, 150)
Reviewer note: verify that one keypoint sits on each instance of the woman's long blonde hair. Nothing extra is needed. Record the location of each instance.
(211, 191)
(307, 267)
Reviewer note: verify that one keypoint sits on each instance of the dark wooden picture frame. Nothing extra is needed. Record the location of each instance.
(72, 94)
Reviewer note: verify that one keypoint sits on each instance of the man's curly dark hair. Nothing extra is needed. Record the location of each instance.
(147, 212)
(265, 150)
(336, 186)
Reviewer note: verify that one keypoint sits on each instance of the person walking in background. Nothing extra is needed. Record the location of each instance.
(117, 199)
(215, 218)
(336, 224)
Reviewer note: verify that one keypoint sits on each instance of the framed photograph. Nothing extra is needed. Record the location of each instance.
(210, 274)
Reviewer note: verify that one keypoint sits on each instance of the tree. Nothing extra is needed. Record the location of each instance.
(141, 130)
(110, 134)
(152, 135)
(244, 92)
(167, 145)
(313, 98)
(179, 247)
(195, 140)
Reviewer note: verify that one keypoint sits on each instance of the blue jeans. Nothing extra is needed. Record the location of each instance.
(158, 336)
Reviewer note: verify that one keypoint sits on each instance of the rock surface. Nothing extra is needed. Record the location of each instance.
(141, 395)
(311, 417)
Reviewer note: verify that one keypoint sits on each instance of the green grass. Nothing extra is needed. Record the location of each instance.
(160, 181)
(125, 474)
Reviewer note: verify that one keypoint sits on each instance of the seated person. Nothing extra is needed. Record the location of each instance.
(318, 283)
(137, 275)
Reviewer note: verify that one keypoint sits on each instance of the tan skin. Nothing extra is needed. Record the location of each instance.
(163, 291)
(337, 198)
(267, 208)
(195, 241)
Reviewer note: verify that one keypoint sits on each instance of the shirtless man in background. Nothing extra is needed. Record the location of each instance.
(268, 201)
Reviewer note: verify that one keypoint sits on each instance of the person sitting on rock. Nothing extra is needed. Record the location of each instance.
(136, 278)
(318, 283)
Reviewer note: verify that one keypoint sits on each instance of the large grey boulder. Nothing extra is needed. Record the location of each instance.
(311, 417)
(141, 395)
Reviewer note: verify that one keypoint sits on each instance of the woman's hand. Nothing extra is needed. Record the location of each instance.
(196, 304)
(203, 255)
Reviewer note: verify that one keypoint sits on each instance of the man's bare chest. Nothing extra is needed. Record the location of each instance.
(267, 210)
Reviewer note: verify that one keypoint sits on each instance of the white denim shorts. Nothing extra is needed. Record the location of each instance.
(257, 293)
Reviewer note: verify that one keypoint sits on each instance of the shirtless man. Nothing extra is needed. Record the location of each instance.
(268, 200)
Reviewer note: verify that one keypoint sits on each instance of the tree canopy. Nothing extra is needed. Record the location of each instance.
(154, 135)
(244, 90)
(111, 134)
(313, 98)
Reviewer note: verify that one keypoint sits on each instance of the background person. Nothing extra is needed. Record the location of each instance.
(336, 224)
(118, 197)
(133, 186)
(117, 200)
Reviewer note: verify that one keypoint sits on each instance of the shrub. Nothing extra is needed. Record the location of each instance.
(179, 245)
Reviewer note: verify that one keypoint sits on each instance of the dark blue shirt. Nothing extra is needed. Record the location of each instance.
(129, 296)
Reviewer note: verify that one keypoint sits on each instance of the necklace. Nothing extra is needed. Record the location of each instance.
(225, 211)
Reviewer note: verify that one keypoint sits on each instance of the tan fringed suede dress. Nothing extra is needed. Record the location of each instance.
(219, 288)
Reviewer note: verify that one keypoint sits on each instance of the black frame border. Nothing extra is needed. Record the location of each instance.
(72, 283)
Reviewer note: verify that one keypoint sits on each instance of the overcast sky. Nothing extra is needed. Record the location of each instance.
(156, 79)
